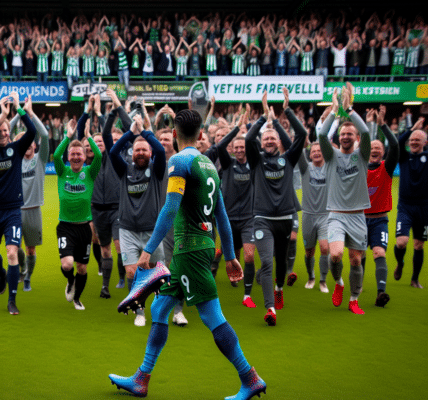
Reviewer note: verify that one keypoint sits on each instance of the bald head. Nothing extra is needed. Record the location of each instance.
(417, 141)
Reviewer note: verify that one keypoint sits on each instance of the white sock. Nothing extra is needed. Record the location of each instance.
(246, 296)
(278, 288)
(273, 310)
(340, 282)
(354, 298)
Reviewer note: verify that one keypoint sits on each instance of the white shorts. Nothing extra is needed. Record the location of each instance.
(132, 245)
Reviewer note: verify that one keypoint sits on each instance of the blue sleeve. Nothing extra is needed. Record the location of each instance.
(107, 136)
(81, 126)
(404, 137)
(118, 162)
(224, 229)
(251, 144)
(159, 158)
(164, 221)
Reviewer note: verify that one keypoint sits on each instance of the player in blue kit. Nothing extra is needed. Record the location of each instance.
(193, 200)
(11, 198)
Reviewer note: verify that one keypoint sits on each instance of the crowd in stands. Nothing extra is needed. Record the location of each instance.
(178, 46)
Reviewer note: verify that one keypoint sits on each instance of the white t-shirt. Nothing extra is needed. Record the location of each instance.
(339, 57)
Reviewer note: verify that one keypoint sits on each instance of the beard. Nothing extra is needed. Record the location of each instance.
(141, 162)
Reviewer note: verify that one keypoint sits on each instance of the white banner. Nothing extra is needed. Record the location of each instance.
(251, 88)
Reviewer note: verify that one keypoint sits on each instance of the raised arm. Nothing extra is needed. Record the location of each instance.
(393, 151)
(69, 132)
(326, 147)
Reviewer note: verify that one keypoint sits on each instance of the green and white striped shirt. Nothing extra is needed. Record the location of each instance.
(399, 57)
(412, 57)
(42, 63)
(238, 64)
(72, 66)
(88, 63)
(182, 65)
(123, 62)
(135, 61)
(57, 60)
(211, 62)
(307, 61)
(253, 68)
(102, 66)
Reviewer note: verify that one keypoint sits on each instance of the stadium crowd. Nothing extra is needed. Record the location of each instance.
(115, 183)
(179, 46)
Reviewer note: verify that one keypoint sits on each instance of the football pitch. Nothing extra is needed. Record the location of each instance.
(316, 352)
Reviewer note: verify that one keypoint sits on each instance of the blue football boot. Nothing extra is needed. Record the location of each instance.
(252, 385)
(146, 281)
(137, 384)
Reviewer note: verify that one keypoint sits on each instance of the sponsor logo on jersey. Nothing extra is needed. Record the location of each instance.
(372, 190)
(274, 174)
(241, 177)
(9, 152)
(347, 172)
(5, 164)
(206, 226)
(137, 189)
(79, 188)
(317, 182)
(206, 165)
(29, 174)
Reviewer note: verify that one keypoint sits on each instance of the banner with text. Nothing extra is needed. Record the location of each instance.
(81, 91)
(40, 92)
(169, 92)
(382, 92)
(251, 88)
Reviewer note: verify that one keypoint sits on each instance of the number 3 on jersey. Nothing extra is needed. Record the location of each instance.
(207, 211)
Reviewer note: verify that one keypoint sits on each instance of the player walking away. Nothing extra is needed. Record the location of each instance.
(193, 200)
(237, 189)
(33, 179)
(140, 188)
(274, 203)
(315, 215)
(379, 183)
(412, 200)
(75, 187)
(11, 198)
(346, 177)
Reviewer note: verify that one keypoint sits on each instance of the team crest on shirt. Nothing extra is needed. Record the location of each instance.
(124, 256)
(423, 159)
(82, 176)
(33, 163)
(147, 173)
(259, 235)
(354, 157)
(281, 162)
(9, 152)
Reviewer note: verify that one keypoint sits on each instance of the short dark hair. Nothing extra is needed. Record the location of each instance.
(188, 123)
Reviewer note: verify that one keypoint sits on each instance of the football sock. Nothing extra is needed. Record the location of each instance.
(107, 266)
(31, 263)
(226, 340)
(336, 270)
(356, 280)
(381, 273)
(399, 255)
(21, 258)
(291, 256)
(12, 280)
(310, 262)
(130, 282)
(249, 272)
(323, 267)
(155, 343)
(96, 249)
(418, 259)
(69, 275)
(363, 264)
(80, 285)
(120, 266)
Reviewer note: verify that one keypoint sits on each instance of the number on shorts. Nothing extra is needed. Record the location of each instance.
(185, 281)
(16, 232)
(62, 242)
(384, 237)
(207, 211)
(398, 226)
(88, 250)
(426, 231)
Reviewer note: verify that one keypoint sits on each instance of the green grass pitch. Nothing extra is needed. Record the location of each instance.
(316, 352)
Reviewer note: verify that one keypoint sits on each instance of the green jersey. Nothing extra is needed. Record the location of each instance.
(195, 177)
(75, 188)
(42, 63)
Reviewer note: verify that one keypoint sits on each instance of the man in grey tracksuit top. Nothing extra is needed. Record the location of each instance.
(274, 203)
(347, 197)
